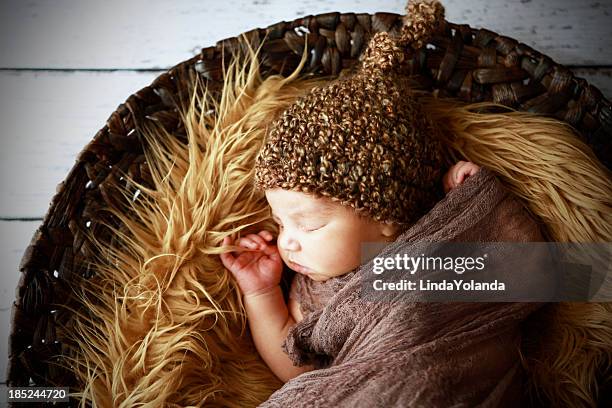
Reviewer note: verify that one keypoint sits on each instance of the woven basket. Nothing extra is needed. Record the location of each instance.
(471, 64)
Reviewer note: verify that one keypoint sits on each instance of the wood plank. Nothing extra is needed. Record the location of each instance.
(599, 77)
(46, 118)
(157, 33)
(570, 32)
(5, 322)
(15, 236)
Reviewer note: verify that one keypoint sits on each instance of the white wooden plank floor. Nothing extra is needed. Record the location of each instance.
(66, 65)
(157, 33)
(45, 123)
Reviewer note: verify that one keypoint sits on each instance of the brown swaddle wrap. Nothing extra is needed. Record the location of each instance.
(414, 353)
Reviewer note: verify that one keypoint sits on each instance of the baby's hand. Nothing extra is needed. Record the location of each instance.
(457, 174)
(258, 270)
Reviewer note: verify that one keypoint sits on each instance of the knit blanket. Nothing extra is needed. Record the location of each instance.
(407, 353)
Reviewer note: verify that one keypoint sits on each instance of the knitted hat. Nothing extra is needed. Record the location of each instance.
(363, 141)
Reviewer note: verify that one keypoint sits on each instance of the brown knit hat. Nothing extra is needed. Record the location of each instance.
(363, 141)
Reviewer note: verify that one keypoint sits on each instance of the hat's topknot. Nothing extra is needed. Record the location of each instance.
(363, 140)
(423, 19)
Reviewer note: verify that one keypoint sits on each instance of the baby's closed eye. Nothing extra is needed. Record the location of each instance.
(310, 228)
(306, 226)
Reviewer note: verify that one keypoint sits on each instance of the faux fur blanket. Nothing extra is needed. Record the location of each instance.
(406, 353)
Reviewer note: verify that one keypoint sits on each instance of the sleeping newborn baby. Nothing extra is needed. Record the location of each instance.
(318, 238)
(355, 160)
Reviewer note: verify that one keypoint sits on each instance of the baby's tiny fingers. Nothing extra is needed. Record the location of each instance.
(258, 240)
(473, 169)
(227, 241)
(228, 260)
(266, 234)
(467, 170)
(246, 242)
(457, 176)
(461, 173)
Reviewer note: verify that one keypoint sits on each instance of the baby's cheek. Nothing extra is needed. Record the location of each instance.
(352, 251)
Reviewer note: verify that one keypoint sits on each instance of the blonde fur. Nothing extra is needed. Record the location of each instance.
(563, 184)
(162, 324)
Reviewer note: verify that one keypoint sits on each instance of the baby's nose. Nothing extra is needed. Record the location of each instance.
(288, 243)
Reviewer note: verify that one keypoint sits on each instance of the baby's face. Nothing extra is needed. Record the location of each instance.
(320, 238)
